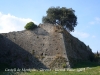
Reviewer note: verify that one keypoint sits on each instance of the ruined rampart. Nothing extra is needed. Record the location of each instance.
(46, 45)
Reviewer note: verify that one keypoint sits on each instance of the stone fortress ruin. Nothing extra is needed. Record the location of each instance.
(47, 46)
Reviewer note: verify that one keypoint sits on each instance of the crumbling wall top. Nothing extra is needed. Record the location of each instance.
(51, 27)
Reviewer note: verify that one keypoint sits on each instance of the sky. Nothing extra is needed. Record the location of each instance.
(14, 14)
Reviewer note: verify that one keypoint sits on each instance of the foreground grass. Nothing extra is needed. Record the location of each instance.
(88, 71)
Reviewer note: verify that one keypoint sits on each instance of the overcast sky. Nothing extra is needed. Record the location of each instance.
(14, 14)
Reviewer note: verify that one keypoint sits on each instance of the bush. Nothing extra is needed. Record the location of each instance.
(30, 26)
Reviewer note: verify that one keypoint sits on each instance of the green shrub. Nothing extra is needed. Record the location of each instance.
(30, 26)
(64, 65)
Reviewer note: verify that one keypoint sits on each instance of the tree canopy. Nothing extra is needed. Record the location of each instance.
(61, 16)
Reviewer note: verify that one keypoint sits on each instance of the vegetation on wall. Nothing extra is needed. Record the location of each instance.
(30, 26)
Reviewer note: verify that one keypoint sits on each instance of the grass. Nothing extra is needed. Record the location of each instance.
(89, 69)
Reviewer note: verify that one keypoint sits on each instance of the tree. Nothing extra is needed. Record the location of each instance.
(97, 54)
(61, 16)
(30, 26)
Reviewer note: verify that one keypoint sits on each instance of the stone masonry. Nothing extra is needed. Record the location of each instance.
(42, 47)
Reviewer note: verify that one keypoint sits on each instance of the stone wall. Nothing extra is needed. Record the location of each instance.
(76, 50)
(46, 43)
(43, 42)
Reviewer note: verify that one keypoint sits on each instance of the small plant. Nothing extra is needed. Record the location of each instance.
(30, 26)
(64, 65)
(33, 52)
